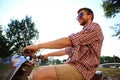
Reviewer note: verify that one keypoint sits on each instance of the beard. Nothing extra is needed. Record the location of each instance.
(83, 21)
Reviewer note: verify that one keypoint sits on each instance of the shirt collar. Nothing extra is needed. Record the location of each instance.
(84, 27)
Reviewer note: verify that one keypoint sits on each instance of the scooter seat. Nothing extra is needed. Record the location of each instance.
(98, 75)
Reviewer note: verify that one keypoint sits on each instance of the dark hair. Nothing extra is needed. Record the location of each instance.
(89, 11)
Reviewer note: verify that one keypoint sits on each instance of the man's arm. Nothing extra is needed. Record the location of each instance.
(56, 44)
(56, 53)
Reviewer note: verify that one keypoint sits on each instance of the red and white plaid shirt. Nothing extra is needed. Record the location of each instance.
(86, 49)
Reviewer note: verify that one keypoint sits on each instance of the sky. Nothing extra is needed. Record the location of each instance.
(57, 18)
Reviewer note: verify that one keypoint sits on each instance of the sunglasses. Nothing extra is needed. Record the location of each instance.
(79, 15)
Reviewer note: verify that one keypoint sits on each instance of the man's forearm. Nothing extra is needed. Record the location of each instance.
(57, 53)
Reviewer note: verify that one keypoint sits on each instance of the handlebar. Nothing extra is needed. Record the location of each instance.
(33, 56)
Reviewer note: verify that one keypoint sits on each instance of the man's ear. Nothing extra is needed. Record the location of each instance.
(90, 16)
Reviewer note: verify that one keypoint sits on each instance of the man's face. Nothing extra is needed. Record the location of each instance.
(83, 18)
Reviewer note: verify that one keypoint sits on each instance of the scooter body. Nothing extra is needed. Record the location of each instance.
(21, 72)
(98, 75)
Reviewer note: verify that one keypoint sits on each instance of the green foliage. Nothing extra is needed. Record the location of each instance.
(49, 61)
(117, 30)
(17, 36)
(108, 59)
(111, 7)
(57, 61)
(3, 44)
(44, 62)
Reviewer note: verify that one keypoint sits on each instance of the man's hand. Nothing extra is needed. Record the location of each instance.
(29, 50)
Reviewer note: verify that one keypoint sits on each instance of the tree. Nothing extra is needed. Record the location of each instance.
(57, 61)
(111, 8)
(108, 59)
(102, 60)
(44, 62)
(19, 34)
(3, 44)
(116, 59)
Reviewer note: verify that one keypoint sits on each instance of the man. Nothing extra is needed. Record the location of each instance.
(83, 49)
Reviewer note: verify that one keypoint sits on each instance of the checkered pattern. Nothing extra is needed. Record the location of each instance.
(87, 48)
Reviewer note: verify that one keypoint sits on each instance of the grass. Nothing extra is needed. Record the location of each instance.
(4, 71)
(5, 66)
(114, 73)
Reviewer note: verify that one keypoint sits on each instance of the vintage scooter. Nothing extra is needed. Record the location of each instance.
(23, 70)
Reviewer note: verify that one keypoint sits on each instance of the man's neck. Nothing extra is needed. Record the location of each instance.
(87, 23)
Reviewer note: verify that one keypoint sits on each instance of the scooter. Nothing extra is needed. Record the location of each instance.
(23, 70)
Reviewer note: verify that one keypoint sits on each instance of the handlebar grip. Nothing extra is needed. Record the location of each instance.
(27, 52)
